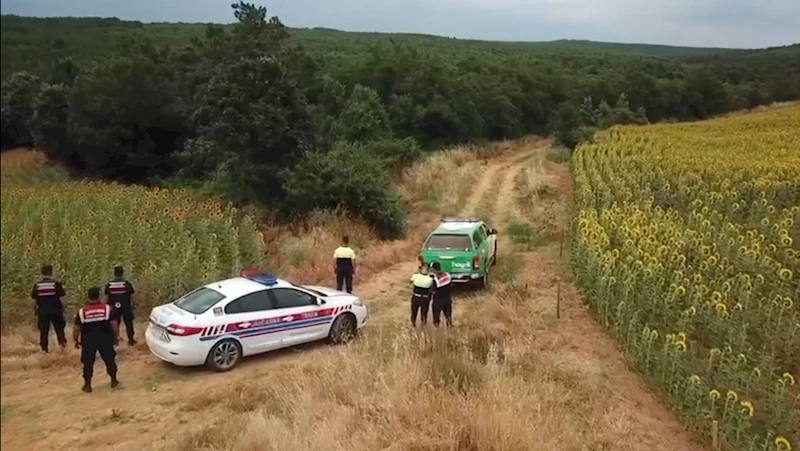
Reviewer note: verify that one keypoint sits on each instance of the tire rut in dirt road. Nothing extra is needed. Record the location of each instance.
(476, 197)
(391, 286)
(574, 346)
(505, 196)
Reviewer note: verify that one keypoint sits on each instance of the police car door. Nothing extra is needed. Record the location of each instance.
(255, 322)
(303, 319)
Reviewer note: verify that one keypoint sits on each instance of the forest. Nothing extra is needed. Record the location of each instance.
(302, 119)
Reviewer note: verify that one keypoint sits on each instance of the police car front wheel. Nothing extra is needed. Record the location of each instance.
(224, 355)
(343, 329)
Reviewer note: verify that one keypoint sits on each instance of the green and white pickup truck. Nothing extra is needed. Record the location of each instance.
(465, 247)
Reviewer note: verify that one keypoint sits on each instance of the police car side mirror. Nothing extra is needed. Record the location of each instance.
(319, 301)
(492, 232)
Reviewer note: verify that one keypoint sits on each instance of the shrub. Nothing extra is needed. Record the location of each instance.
(346, 177)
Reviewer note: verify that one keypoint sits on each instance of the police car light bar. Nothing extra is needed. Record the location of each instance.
(257, 276)
(454, 219)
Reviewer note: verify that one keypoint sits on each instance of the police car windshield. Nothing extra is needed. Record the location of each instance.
(199, 300)
(449, 243)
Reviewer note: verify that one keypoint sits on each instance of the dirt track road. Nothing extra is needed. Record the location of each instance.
(43, 408)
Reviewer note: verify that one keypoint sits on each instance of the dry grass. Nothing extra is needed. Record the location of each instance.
(498, 382)
(444, 180)
(393, 389)
(540, 213)
(510, 376)
(302, 252)
(505, 379)
(28, 167)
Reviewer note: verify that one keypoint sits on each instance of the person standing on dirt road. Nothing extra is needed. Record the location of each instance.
(119, 295)
(344, 266)
(442, 300)
(95, 332)
(49, 308)
(421, 296)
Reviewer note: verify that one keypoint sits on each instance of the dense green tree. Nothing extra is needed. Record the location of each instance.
(123, 120)
(50, 122)
(363, 117)
(303, 119)
(16, 105)
(250, 113)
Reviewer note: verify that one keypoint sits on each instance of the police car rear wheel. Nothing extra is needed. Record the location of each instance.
(224, 355)
(343, 329)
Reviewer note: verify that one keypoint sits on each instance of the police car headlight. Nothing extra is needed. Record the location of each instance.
(358, 303)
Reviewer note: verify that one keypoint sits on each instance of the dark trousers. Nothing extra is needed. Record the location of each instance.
(89, 350)
(57, 320)
(419, 304)
(346, 279)
(443, 306)
(126, 313)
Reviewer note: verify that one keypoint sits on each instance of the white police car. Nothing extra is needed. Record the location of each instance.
(221, 322)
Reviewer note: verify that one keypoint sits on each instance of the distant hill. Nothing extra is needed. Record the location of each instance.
(646, 49)
(649, 49)
(90, 38)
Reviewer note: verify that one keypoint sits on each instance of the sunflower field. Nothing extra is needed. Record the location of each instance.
(169, 241)
(686, 248)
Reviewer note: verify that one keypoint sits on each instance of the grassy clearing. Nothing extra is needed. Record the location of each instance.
(502, 380)
(482, 387)
(170, 241)
(510, 376)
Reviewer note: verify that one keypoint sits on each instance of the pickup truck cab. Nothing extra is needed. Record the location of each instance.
(465, 247)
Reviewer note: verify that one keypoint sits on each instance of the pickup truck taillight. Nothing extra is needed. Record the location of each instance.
(421, 261)
(183, 331)
(476, 263)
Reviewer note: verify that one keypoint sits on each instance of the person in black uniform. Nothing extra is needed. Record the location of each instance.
(119, 295)
(95, 332)
(344, 265)
(442, 300)
(421, 296)
(49, 309)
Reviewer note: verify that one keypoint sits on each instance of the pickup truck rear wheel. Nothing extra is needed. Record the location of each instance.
(483, 282)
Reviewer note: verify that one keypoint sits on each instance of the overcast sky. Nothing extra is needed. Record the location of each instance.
(713, 23)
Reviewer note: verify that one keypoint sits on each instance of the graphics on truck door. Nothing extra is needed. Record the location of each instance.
(480, 245)
(304, 320)
(254, 321)
(491, 240)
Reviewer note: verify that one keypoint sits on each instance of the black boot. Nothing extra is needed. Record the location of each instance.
(114, 382)
(87, 388)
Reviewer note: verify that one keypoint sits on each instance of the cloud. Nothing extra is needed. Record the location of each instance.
(719, 23)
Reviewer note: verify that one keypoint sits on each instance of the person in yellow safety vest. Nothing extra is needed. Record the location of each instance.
(421, 296)
(344, 266)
